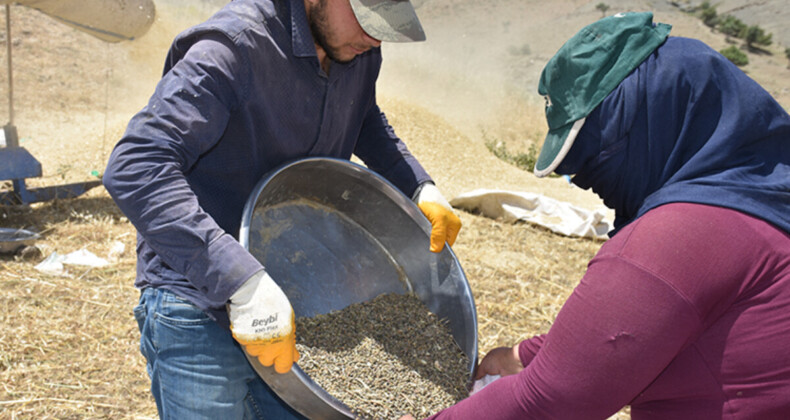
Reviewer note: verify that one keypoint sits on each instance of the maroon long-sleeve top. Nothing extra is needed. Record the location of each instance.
(684, 314)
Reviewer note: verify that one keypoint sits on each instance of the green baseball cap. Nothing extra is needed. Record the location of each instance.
(389, 20)
(586, 69)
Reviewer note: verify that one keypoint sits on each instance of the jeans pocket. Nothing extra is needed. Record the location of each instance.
(179, 312)
(182, 332)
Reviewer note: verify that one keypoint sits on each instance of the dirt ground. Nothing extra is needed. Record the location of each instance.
(69, 344)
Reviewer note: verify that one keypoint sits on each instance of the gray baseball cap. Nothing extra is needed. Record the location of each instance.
(389, 20)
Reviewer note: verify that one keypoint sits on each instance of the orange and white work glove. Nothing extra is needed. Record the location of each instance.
(445, 224)
(262, 321)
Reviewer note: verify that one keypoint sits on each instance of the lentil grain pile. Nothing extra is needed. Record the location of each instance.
(384, 358)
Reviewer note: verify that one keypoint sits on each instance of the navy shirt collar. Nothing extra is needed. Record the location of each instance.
(301, 36)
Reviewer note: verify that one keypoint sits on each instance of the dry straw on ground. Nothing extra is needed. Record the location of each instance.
(68, 346)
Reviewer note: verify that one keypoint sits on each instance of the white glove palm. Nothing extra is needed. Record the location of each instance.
(262, 320)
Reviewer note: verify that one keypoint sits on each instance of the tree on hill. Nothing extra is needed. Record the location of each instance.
(787, 54)
(755, 35)
(731, 26)
(603, 7)
(735, 55)
(708, 15)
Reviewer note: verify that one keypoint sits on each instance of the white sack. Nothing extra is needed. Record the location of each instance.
(512, 206)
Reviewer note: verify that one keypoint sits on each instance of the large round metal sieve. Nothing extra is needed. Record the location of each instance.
(333, 233)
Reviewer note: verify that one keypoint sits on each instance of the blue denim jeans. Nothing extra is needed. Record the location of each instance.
(197, 369)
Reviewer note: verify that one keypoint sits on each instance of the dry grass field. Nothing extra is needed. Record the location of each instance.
(69, 343)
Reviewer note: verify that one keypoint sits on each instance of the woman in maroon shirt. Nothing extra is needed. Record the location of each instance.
(685, 312)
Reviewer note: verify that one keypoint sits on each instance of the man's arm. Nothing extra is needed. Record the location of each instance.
(384, 152)
(145, 175)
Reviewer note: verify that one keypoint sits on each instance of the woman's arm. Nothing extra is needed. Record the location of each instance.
(645, 297)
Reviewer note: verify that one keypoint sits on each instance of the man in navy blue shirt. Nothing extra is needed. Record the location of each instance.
(261, 83)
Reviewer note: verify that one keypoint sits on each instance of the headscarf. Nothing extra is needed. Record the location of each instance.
(686, 126)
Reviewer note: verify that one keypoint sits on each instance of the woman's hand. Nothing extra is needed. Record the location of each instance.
(500, 361)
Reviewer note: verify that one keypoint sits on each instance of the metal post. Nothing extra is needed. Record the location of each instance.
(10, 72)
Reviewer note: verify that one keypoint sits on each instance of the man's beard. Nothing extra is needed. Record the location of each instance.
(320, 27)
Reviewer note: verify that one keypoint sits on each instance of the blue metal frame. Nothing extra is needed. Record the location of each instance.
(16, 164)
